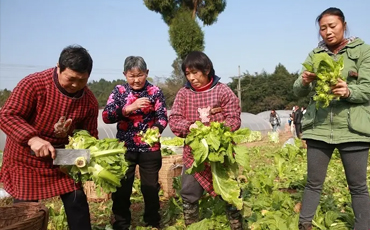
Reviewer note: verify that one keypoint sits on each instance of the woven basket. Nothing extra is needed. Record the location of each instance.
(24, 216)
(171, 167)
(90, 191)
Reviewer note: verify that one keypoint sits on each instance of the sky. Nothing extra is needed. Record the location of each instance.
(255, 35)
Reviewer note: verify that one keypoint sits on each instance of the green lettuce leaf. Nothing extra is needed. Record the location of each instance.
(225, 185)
(241, 156)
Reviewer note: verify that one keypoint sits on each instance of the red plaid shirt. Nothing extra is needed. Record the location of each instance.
(33, 108)
(185, 112)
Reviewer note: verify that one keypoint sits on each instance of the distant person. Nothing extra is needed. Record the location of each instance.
(137, 106)
(342, 125)
(303, 110)
(42, 111)
(291, 125)
(205, 99)
(297, 121)
(274, 120)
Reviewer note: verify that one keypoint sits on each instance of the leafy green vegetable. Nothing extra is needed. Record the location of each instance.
(273, 137)
(225, 184)
(100, 173)
(80, 162)
(57, 218)
(171, 146)
(328, 72)
(107, 164)
(167, 152)
(240, 135)
(81, 140)
(217, 146)
(151, 136)
(176, 141)
(216, 223)
(240, 156)
(253, 136)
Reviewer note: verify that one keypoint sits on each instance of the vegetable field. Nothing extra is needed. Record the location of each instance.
(271, 193)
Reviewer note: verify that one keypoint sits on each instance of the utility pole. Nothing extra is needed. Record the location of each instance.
(239, 89)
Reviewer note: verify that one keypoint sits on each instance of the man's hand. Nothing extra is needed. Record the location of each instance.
(62, 126)
(41, 147)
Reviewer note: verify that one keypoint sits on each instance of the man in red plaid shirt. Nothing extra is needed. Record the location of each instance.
(203, 99)
(42, 111)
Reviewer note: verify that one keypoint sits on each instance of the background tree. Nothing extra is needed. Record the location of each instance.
(264, 91)
(206, 10)
(172, 84)
(103, 88)
(4, 94)
(181, 17)
(185, 34)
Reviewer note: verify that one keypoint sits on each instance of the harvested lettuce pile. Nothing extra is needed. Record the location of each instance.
(171, 146)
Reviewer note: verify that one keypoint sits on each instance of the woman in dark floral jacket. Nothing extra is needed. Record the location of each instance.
(137, 106)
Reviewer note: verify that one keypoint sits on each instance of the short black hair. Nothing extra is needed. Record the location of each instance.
(76, 58)
(200, 61)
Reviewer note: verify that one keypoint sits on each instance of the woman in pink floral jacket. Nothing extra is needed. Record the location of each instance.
(137, 106)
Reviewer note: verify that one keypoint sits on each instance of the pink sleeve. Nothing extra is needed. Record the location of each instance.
(231, 109)
(178, 123)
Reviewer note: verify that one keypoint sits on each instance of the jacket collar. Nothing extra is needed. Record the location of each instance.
(352, 42)
(140, 90)
(216, 79)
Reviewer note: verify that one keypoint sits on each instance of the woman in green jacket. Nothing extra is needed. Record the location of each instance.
(344, 124)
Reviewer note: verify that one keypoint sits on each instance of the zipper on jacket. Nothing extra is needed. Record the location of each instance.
(331, 111)
(331, 124)
(335, 57)
(349, 119)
